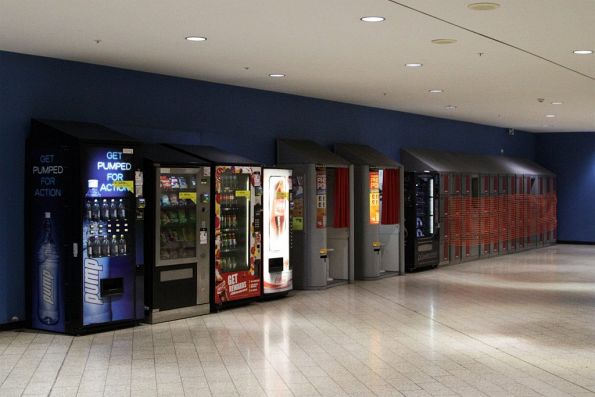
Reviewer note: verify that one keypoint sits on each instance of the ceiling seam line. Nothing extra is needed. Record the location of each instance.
(493, 39)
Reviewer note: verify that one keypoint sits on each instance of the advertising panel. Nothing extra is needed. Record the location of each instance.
(374, 197)
(277, 274)
(108, 239)
(48, 175)
(238, 233)
(320, 197)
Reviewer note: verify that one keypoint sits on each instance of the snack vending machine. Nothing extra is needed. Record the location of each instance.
(82, 191)
(177, 236)
(277, 272)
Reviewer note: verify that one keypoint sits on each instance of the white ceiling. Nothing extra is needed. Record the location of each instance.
(327, 52)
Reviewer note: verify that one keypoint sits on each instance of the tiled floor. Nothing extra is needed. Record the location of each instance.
(519, 325)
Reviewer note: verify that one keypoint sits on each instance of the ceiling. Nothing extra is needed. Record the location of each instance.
(502, 62)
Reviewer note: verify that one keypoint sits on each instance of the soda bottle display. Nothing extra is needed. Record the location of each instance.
(104, 210)
(95, 210)
(48, 268)
(121, 209)
(113, 209)
(122, 245)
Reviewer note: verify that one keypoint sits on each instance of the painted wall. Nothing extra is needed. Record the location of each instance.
(160, 108)
(572, 157)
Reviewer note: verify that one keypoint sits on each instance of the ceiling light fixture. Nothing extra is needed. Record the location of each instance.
(583, 52)
(196, 38)
(435, 91)
(556, 103)
(277, 75)
(550, 116)
(450, 107)
(414, 65)
(372, 19)
(444, 41)
(483, 6)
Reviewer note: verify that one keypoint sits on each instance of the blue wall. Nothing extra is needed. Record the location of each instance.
(572, 157)
(160, 108)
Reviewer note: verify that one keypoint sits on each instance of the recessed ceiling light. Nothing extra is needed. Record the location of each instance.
(556, 103)
(450, 107)
(414, 65)
(583, 52)
(550, 116)
(435, 91)
(444, 41)
(196, 38)
(483, 6)
(372, 19)
(278, 75)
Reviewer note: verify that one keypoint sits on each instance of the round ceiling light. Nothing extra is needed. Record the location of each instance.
(276, 75)
(483, 6)
(372, 19)
(444, 41)
(196, 38)
(436, 91)
(583, 52)
(414, 65)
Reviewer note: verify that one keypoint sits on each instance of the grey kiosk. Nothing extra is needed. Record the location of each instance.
(322, 247)
(378, 223)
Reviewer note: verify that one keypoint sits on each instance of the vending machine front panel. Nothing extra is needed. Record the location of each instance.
(238, 233)
(108, 253)
(277, 272)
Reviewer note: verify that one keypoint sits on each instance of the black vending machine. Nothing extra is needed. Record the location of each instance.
(83, 184)
(422, 225)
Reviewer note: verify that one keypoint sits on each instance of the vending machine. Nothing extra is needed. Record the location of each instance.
(177, 234)
(82, 188)
(277, 270)
(236, 249)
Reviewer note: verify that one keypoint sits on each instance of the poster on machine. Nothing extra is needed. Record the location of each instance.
(277, 273)
(238, 233)
(48, 194)
(108, 235)
(320, 197)
(374, 197)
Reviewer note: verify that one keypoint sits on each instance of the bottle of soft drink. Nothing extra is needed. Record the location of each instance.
(96, 247)
(105, 210)
(95, 210)
(114, 245)
(48, 269)
(122, 245)
(113, 209)
(105, 248)
(121, 209)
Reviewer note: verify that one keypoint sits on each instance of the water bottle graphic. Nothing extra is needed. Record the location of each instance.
(93, 191)
(48, 267)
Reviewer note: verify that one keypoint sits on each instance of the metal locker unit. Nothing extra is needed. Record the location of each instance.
(455, 216)
(323, 255)
(379, 246)
(485, 246)
(444, 219)
(178, 226)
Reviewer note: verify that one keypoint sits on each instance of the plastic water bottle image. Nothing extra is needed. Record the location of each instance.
(48, 268)
(93, 191)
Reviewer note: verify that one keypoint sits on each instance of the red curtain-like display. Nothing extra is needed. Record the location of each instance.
(391, 197)
(341, 218)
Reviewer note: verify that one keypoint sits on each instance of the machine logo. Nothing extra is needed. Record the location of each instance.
(92, 270)
(47, 286)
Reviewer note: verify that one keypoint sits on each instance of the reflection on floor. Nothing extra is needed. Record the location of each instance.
(521, 324)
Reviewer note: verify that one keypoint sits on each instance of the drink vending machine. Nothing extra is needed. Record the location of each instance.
(236, 249)
(82, 192)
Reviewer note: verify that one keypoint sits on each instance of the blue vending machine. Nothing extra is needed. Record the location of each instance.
(83, 187)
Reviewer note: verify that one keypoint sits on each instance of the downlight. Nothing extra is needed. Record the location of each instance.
(444, 41)
(276, 75)
(583, 52)
(435, 91)
(483, 6)
(196, 38)
(414, 65)
(372, 19)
